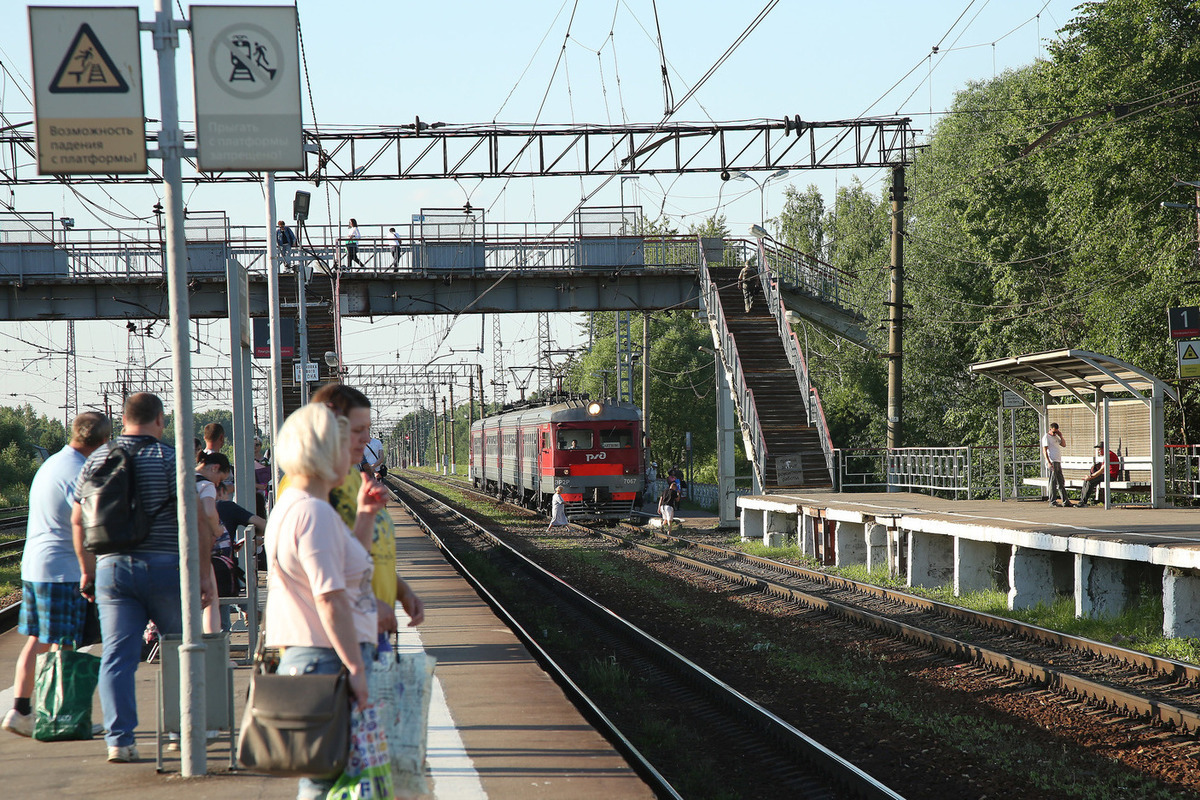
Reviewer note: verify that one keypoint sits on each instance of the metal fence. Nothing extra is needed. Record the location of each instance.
(1183, 472)
(967, 472)
(37, 244)
(705, 495)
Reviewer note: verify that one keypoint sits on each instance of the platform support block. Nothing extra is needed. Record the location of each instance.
(1181, 602)
(778, 527)
(973, 565)
(1100, 587)
(875, 536)
(753, 524)
(930, 559)
(850, 543)
(1030, 578)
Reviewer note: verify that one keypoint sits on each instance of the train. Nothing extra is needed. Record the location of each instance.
(592, 449)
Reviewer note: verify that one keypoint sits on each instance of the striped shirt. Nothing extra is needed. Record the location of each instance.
(154, 471)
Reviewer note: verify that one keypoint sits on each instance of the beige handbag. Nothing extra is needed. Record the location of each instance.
(296, 724)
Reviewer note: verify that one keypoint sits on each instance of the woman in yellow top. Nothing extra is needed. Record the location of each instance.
(352, 404)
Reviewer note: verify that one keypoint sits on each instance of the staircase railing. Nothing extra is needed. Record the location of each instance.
(812, 400)
(732, 362)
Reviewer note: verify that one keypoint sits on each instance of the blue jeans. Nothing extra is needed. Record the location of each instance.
(131, 590)
(316, 661)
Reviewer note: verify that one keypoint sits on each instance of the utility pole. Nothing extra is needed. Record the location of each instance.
(646, 385)
(450, 434)
(437, 443)
(446, 439)
(895, 304)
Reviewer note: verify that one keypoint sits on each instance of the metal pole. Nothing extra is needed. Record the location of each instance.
(453, 444)
(645, 391)
(479, 376)
(193, 745)
(302, 315)
(437, 443)
(895, 354)
(445, 440)
(276, 403)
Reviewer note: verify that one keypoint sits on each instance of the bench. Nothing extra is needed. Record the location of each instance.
(1075, 469)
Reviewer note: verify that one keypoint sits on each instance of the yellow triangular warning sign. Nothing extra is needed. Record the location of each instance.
(1189, 354)
(87, 67)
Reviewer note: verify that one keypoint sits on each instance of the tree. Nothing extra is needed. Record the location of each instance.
(21, 433)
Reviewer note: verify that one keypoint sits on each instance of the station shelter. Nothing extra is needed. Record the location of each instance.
(1094, 398)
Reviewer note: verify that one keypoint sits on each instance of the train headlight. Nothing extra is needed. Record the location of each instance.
(594, 409)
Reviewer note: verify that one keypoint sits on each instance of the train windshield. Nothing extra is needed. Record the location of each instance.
(574, 439)
(616, 438)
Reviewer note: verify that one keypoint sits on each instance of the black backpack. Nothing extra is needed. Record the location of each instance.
(114, 517)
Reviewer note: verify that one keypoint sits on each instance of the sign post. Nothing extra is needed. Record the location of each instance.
(87, 87)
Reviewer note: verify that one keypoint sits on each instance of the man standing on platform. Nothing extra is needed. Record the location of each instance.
(1052, 447)
(52, 608)
(139, 584)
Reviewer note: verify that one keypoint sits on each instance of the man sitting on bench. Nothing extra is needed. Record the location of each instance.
(1096, 476)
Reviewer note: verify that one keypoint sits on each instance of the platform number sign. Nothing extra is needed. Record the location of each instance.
(1184, 322)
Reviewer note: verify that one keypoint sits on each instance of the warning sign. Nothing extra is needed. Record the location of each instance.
(87, 80)
(87, 67)
(247, 81)
(1189, 358)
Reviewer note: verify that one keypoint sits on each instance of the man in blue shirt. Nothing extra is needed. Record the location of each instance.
(136, 585)
(52, 609)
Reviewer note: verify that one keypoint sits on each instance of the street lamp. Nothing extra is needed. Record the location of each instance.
(762, 190)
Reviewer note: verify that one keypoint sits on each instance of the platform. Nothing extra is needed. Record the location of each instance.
(1032, 550)
(499, 726)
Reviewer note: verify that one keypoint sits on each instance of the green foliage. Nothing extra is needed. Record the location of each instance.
(21, 432)
(1032, 223)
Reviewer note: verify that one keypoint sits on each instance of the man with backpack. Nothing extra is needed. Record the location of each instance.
(127, 541)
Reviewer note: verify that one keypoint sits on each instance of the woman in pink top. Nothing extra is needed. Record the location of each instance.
(320, 607)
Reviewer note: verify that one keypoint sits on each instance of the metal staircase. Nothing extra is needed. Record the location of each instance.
(783, 426)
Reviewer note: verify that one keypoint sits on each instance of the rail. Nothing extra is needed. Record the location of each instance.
(791, 345)
(728, 352)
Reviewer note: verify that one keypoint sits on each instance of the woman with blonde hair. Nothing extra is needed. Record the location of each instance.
(320, 609)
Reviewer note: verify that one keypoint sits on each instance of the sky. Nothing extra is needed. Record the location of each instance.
(385, 62)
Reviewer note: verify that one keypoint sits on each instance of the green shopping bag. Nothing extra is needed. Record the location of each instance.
(368, 774)
(62, 695)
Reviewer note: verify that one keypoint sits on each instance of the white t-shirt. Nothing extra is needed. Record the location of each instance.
(355, 235)
(1053, 448)
(395, 239)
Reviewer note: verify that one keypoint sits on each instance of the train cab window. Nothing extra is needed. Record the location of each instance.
(545, 440)
(574, 440)
(616, 438)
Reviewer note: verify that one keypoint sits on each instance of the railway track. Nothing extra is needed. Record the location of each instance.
(777, 754)
(13, 522)
(1151, 688)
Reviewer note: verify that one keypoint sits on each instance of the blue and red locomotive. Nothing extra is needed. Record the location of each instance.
(592, 450)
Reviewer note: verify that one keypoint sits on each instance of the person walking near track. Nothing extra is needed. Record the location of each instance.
(52, 606)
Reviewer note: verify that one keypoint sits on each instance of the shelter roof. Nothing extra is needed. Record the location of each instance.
(1073, 373)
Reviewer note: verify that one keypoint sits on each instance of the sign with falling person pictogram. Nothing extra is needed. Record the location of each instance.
(87, 76)
(1189, 357)
(246, 63)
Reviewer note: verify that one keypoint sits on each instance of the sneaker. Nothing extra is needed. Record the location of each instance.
(122, 755)
(18, 723)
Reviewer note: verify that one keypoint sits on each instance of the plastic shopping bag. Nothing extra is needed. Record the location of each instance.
(407, 737)
(62, 695)
(368, 774)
